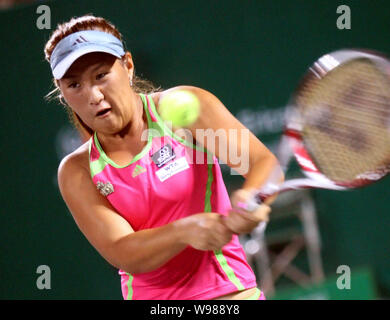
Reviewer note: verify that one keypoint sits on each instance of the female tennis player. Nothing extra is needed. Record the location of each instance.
(164, 220)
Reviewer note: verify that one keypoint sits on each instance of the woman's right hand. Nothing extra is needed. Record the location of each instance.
(241, 221)
(204, 231)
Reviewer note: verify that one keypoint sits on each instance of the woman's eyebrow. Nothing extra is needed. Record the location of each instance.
(97, 66)
(68, 76)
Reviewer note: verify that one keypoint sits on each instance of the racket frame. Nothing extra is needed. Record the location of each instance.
(294, 127)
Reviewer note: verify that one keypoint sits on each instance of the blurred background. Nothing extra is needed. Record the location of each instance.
(251, 54)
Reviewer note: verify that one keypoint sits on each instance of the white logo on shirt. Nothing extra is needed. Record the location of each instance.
(173, 168)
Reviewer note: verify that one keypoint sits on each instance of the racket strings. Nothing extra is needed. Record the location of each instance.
(346, 120)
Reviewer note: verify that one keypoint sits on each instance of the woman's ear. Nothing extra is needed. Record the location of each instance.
(128, 64)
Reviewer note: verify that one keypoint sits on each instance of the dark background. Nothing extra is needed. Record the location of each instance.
(250, 54)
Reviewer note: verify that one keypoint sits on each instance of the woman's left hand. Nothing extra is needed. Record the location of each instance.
(241, 221)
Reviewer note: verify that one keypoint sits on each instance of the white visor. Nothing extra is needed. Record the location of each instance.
(72, 47)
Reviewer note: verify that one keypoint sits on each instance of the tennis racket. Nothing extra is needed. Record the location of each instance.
(338, 128)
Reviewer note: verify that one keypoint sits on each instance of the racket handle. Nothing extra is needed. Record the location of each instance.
(251, 205)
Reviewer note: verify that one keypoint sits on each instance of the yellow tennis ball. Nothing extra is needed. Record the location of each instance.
(180, 107)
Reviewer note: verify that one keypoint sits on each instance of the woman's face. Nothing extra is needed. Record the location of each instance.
(97, 88)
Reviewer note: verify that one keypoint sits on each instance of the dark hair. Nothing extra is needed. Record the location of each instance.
(86, 22)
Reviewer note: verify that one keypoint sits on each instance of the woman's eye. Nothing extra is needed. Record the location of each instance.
(100, 75)
(73, 85)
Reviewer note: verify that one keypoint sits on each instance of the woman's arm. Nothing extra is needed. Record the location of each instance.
(112, 235)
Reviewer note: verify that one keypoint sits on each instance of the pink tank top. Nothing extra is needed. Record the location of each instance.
(168, 180)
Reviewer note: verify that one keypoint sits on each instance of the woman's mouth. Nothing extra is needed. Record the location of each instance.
(103, 113)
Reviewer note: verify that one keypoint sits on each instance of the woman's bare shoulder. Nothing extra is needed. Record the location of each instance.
(76, 160)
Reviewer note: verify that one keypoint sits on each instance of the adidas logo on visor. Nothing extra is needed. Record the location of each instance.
(80, 39)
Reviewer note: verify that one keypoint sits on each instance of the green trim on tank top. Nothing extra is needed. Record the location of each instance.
(210, 178)
(218, 253)
(129, 285)
(156, 130)
(96, 166)
(228, 270)
(105, 158)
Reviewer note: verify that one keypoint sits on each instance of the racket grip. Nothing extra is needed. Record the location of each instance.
(251, 205)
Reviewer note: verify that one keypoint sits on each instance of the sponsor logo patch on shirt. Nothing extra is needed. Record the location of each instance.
(172, 168)
(163, 155)
(105, 188)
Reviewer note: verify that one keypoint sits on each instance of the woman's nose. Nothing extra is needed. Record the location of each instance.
(96, 95)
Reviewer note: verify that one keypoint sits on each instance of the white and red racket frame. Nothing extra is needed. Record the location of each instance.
(292, 142)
